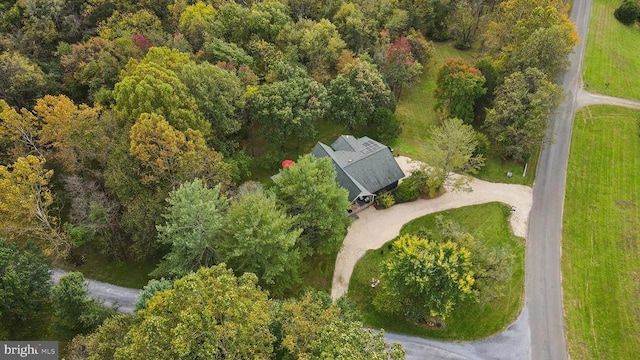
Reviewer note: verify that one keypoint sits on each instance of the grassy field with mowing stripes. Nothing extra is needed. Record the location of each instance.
(601, 235)
(612, 54)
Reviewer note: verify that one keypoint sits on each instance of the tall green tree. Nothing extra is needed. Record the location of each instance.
(517, 123)
(291, 106)
(546, 49)
(458, 86)
(514, 20)
(492, 266)
(154, 88)
(103, 343)
(316, 44)
(125, 25)
(219, 96)
(261, 238)
(25, 287)
(193, 226)
(195, 21)
(356, 93)
(422, 278)
(309, 191)
(208, 314)
(358, 33)
(75, 312)
(454, 149)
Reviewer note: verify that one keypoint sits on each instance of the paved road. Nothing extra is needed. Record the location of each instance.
(511, 344)
(585, 98)
(543, 276)
(125, 298)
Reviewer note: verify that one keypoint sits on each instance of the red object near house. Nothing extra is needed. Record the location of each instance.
(287, 163)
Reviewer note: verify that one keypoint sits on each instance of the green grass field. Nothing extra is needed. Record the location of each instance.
(601, 236)
(612, 54)
(417, 116)
(470, 320)
(415, 109)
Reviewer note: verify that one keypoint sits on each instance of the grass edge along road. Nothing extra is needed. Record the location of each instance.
(611, 63)
(470, 321)
(601, 235)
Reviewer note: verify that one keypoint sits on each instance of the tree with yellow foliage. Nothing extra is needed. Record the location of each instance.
(424, 278)
(25, 201)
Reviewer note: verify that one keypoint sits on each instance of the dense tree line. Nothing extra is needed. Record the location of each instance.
(213, 314)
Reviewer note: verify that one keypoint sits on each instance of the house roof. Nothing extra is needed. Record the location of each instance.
(363, 165)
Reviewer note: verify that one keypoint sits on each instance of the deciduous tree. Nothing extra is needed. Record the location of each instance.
(396, 62)
(261, 238)
(169, 156)
(287, 107)
(453, 148)
(208, 314)
(318, 46)
(154, 88)
(103, 343)
(68, 131)
(23, 80)
(517, 123)
(546, 49)
(25, 287)
(96, 63)
(75, 312)
(315, 329)
(25, 202)
(309, 191)
(193, 225)
(422, 278)
(458, 86)
(195, 21)
(356, 93)
(125, 25)
(219, 96)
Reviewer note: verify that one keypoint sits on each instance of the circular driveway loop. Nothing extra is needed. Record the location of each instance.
(376, 227)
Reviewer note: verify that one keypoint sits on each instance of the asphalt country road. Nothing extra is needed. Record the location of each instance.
(544, 242)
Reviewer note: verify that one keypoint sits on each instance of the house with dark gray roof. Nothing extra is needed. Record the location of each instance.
(363, 166)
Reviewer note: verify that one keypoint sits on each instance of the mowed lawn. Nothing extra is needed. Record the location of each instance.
(612, 54)
(416, 114)
(601, 236)
(415, 110)
(470, 320)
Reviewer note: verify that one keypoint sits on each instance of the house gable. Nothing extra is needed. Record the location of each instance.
(363, 166)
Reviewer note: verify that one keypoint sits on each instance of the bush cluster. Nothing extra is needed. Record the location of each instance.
(385, 200)
(628, 12)
(407, 191)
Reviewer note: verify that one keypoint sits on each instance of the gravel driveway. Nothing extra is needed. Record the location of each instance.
(375, 227)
